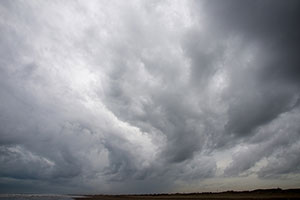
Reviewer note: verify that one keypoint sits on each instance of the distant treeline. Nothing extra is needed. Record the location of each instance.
(257, 191)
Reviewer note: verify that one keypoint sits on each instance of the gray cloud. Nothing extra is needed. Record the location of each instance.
(145, 96)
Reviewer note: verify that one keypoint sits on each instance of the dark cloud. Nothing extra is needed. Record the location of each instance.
(147, 96)
(259, 91)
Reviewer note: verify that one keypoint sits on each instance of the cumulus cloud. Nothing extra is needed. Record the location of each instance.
(145, 96)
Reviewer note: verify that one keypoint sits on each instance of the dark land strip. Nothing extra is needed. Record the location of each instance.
(267, 194)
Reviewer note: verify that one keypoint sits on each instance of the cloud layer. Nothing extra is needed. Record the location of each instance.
(148, 96)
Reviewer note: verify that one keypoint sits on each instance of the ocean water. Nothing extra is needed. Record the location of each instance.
(35, 197)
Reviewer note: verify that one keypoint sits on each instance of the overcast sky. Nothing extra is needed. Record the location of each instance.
(149, 96)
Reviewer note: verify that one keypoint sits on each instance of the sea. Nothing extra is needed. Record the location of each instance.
(36, 197)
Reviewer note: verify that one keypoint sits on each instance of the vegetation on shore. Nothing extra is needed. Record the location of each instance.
(228, 195)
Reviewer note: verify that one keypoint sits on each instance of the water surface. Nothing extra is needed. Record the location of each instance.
(35, 197)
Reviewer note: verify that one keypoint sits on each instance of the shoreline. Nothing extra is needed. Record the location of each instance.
(228, 195)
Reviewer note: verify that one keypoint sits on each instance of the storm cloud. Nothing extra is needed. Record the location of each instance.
(149, 96)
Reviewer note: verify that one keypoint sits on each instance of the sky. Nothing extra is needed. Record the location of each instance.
(149, 96)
